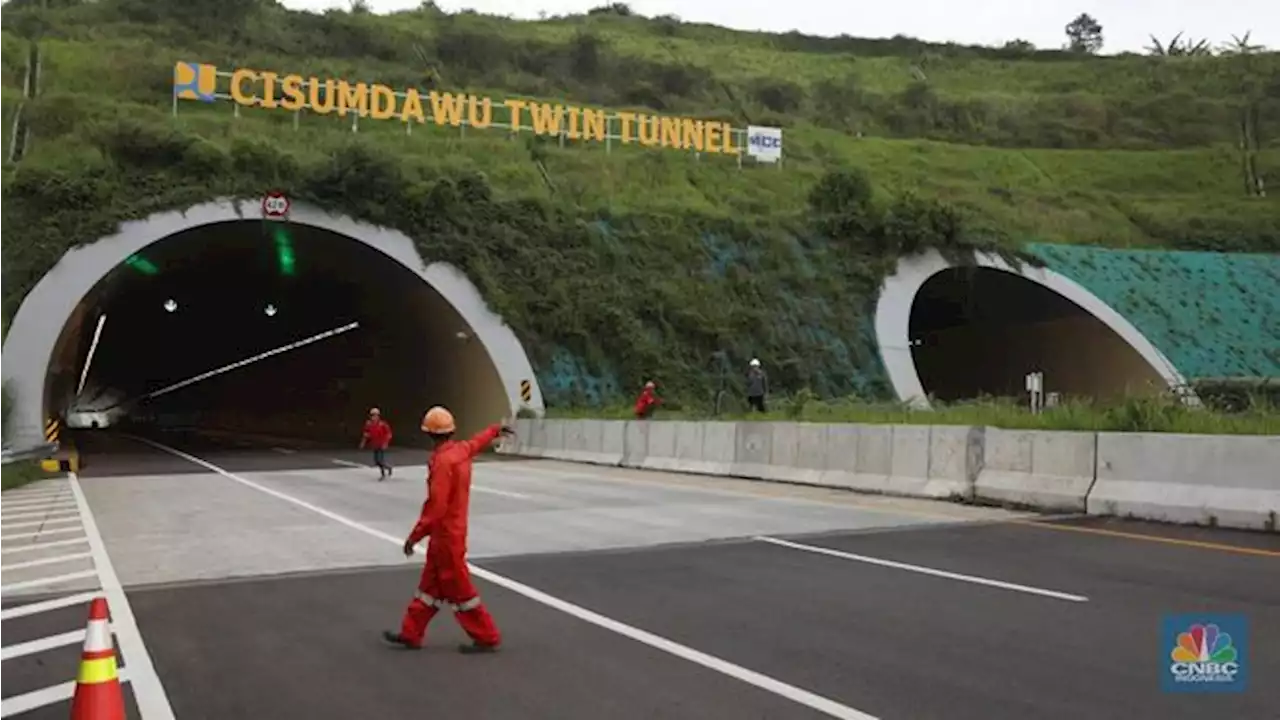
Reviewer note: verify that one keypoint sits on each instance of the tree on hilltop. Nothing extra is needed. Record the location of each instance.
(1179, 47)
(1084, 34)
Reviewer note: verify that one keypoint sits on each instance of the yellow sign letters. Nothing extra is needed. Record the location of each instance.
(323, 96)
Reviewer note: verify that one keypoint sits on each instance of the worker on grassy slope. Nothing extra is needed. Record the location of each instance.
(647, 402)
(377, 435)
(446, 580)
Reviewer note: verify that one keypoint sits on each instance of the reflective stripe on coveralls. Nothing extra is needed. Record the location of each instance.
(463, 606)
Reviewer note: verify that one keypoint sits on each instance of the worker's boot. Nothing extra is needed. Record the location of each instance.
(396, 638)
(476, 648)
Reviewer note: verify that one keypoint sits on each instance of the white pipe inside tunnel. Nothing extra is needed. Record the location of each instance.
(445, 345)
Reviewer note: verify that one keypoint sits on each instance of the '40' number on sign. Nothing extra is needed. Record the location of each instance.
(275, 205)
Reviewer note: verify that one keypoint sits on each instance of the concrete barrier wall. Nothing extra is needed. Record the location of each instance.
(1229, 481)
(1045, 470)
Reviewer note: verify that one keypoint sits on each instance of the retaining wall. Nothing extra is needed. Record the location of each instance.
(1230, 481)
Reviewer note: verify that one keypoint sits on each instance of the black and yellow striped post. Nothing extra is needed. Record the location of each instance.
(526, 391)
(66, 459)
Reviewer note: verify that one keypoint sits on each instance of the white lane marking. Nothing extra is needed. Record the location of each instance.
(48, 494)
(764, 682)
(51, 580)
(45, 561)
(39, 514)
(40, 645)
(504, 493)
(27, 702)
(284, 451)
(47, 605)
(39, 488)
(24, 504)
(924, 570)
(37, 523)
(43, 546)
(41, 533)
(474, 487)
(148, 691)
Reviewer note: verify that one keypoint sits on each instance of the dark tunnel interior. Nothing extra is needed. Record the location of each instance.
(979, 331)
(220, 294)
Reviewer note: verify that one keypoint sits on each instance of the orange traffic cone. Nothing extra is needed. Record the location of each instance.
(98, 693)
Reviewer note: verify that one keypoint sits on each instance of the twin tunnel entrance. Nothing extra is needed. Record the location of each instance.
(296, 329)
(322, 317)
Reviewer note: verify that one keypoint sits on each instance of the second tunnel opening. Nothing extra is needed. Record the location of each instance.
(979, 331)
(219, 294)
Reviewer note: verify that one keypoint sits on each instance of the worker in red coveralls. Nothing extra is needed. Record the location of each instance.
(377, 435)
(446, 580)
(647, 402)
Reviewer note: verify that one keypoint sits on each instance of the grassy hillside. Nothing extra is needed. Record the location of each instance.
(615, 266)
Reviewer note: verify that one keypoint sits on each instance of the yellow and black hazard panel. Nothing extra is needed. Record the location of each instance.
(526, 391)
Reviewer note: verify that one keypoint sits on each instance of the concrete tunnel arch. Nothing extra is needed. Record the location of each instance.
(900, 292)
(55, 301)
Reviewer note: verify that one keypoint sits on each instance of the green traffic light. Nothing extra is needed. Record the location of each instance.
(142, 265)
(284, 250)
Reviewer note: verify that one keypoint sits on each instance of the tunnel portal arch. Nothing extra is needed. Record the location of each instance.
(55, 300)
(898, 297)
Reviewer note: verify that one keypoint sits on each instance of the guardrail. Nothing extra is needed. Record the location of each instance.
(35, 452)
(1216, 480)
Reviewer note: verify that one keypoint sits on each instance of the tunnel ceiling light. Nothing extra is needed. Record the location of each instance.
(270, 310)
(284, 250)
(170, 305)
(142, 265)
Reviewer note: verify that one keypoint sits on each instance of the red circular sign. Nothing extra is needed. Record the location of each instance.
(275, 205)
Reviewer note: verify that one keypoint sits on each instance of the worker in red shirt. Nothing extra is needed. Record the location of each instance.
(648, 402)
(377, 435)
(446, 579)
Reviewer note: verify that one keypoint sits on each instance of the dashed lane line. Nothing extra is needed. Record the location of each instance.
(48, 605)
(40, 494)
(39, 514)
(38, 523)
(49, 580)
(22, 505)
(790, 692)
(46, 545)
(474, 487)
(923, 570)
(41, 533)
(32, 647)
(36, 699)
(45, 561)
(148, 691)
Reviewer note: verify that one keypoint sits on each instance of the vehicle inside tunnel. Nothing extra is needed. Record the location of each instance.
(978, 331)
(271, 328)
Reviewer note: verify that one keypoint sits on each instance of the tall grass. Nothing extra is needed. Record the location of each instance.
(1149, 414)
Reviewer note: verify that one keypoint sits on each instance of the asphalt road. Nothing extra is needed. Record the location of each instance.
(975, 617)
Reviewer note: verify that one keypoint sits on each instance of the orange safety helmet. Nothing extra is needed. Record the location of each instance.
(438, 421)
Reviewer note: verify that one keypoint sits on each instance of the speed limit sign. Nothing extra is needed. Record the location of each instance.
(275, 206)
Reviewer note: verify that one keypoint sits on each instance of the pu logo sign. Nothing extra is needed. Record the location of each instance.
(1205, 657)
(195, 81)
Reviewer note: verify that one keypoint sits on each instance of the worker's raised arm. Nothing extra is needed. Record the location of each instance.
(481, 440)
(433, 510)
